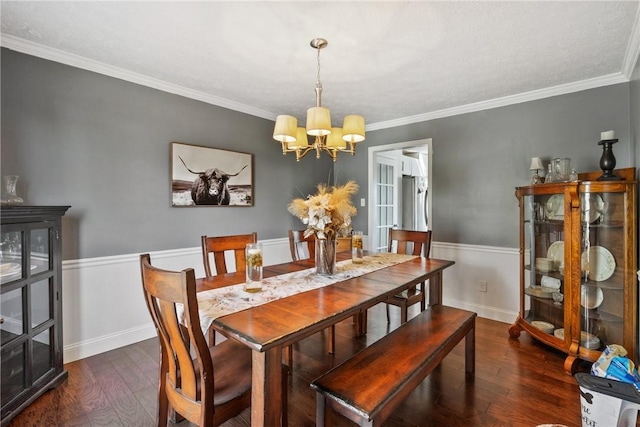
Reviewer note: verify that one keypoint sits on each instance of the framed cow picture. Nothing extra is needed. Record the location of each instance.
(205, 176)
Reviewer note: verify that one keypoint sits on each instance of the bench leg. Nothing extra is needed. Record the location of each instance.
(470, 349)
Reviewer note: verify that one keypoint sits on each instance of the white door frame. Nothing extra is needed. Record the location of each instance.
(372, 152)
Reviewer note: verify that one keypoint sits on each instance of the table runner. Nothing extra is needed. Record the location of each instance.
(230, 299)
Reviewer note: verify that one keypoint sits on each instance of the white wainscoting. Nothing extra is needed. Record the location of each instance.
(103, 307)
(499, 267)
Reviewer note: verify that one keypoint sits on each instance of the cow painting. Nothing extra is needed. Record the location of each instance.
(210, 187)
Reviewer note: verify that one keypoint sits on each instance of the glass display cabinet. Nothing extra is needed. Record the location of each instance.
(30, 305)
(578, 252)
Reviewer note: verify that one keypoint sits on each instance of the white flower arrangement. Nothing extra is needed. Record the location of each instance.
(327, 214)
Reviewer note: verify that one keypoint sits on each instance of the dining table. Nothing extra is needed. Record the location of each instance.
(269, 327)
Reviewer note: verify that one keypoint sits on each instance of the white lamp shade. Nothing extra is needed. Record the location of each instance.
(285, 129)
(301, 139)
(334, 139)
(318, 121)
(536, 164)
(353, 128)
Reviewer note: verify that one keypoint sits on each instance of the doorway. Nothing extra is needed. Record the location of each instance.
(392, 203)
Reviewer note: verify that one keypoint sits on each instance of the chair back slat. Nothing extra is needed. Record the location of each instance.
(410, 242)
(220, 245)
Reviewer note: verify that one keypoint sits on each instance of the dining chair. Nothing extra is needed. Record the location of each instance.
(415, 243)
(301, 247)
(220, 245)
(343, 244)
(215, 385)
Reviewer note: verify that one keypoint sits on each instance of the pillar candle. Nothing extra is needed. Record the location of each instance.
(604, 136)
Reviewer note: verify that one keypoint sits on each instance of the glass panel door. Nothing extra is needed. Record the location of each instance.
(386, 201)
(545, 254)
(602, 266)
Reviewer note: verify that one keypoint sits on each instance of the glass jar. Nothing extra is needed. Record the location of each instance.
(357, 248)
(561, 169)
(9, 196)
(551, 176)
(573, 176)
(253, 253)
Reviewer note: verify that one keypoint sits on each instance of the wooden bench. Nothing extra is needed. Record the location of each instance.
(367, 387)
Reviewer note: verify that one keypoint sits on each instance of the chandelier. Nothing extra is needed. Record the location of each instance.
(331, 140)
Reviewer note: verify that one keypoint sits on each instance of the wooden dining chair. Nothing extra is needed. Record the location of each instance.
(343, 244)
(301, 247)
(220, 245)
(191, 386)
(415, 243)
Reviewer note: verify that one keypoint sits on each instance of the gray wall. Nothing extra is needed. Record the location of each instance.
(102, 145)
(479, 158)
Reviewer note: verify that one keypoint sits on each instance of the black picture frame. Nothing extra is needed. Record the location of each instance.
(206, 176)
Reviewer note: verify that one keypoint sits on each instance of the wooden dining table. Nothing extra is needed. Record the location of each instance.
(270, 327)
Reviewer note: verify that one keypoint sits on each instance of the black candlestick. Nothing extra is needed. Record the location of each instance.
(608, 161)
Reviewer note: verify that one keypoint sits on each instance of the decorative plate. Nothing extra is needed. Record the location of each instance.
(590, 206)
(556, 252)
(543, 326)
(539, 291)
(589, 341)
(598, 262)
(591, 296)
(554, 208)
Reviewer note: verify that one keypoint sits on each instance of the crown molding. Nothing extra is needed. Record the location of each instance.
(607, 80)
(56, 55)
(633, 49)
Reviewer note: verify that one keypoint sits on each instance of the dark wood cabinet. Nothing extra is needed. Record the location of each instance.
(30, 305)
(578, 257)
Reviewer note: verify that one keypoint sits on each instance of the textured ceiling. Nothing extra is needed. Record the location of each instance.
(392, 62)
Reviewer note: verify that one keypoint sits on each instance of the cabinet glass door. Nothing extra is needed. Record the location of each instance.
(544, 255)
(27, 323)
(602, 269)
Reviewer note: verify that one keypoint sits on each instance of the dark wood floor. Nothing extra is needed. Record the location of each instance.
(517, 383)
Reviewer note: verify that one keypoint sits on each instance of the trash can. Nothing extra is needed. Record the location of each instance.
(606, 402)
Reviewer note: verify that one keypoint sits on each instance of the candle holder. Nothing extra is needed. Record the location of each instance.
(608, 161)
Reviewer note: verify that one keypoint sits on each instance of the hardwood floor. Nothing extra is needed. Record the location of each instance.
(517, 383)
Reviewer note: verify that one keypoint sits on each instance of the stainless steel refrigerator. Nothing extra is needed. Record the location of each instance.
(414, 203)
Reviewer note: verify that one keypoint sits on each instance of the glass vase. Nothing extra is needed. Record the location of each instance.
(10, 197)
(325, 257)
(253, 254)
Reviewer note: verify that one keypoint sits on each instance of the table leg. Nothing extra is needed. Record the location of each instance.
(266, 387)
(435, 289)
(360, 323)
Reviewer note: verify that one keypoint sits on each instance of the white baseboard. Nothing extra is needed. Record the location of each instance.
(109, 342)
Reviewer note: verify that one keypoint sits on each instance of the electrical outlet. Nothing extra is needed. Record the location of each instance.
(482, 285)
(362, 202)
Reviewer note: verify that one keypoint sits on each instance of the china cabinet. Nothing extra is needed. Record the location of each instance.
(30, 305)
(578, 285)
